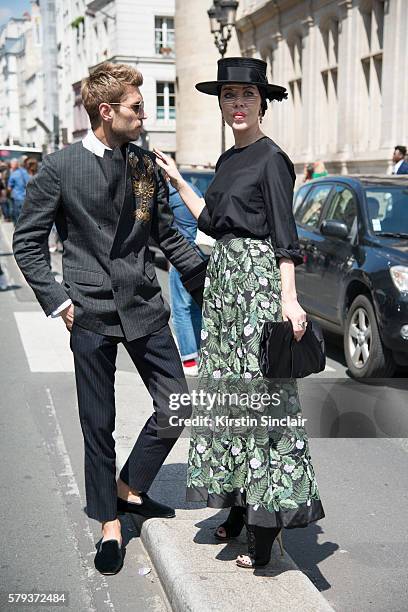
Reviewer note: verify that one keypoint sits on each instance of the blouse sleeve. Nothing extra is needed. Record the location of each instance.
(204, 223)
(277, 189)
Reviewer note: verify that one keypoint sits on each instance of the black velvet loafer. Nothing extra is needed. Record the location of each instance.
(109, 557)
(149, 508)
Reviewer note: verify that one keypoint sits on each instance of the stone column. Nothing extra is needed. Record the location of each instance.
(347, 106)
(198, 114)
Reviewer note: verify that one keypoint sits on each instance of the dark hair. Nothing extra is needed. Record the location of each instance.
(262, 93)
(401, 149)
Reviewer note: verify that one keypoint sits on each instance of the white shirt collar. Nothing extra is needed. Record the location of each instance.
(94, 145)
(397, 165)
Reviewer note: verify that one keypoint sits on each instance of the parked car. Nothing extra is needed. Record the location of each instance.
(353, 232)
(200, 179)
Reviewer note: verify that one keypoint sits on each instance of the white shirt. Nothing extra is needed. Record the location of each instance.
(396, 166)
(96, 146)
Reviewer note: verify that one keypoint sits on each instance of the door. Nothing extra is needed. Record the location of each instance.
(307, 217)
(335, 256)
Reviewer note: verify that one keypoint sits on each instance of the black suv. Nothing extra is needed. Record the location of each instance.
(353, 233)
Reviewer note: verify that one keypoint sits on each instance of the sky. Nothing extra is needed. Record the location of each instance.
(13, 8)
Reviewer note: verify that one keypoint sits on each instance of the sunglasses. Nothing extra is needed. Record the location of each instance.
(137, 108)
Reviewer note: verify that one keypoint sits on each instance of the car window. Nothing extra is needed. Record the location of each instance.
(387, 208)
(343, 207)
(299, 197)
(199, 180)
(309, 212)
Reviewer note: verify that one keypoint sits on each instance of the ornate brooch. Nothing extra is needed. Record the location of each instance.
(142, 185)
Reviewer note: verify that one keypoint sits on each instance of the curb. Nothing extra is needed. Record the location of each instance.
(192, 586)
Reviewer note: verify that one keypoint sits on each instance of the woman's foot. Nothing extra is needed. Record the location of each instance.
(260, 541)
(232, 527)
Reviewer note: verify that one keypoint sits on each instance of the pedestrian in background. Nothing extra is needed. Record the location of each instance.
(308, 172)
(6, 204)
(319, 170)
(31, 165)
(185, 312)
(17, 184)
(3, 199)
(3, 280)
(400, 165)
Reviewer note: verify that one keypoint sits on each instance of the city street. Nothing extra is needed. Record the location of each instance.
(276, 134)
(356, 556)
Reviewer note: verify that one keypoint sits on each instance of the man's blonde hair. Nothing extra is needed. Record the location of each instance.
(107, 83)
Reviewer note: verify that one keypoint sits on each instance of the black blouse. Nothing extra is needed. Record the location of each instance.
(251, 195)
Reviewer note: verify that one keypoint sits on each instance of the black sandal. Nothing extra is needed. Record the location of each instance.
(233, 525)
(260, 541)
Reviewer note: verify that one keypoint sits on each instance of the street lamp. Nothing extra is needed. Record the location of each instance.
(222, 19)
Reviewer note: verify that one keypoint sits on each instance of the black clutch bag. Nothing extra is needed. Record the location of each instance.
(281, 356)
(193, 281)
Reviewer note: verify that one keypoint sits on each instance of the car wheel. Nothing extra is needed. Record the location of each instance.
(366, 356)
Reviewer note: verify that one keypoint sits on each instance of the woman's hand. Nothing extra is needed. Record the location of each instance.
(167, 163)
(292, 311)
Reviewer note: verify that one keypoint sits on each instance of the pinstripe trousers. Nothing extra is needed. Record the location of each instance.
(158, 362)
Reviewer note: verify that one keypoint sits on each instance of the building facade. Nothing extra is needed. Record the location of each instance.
(136, 32)
(344, 64)
(12, 48)
(28, 79)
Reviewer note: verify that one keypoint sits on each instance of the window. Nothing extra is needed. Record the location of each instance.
(343, 207)
(310, 211)
(295, 83)
(295, 46)
(387, 208)
(165, 101)
(372, 14)
(164, 35)
(328, 71)
(299, 197)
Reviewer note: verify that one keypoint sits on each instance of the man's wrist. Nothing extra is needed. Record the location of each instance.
(62, 308)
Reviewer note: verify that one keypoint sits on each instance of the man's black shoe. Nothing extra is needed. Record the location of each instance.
(149, 508)
(109, 557)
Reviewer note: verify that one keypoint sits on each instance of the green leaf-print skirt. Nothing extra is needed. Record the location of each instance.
(248, 443)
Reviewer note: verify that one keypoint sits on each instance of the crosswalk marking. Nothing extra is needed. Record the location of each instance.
(45, 342)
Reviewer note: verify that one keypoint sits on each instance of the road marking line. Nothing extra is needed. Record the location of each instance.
(45, 342)
(69, 486)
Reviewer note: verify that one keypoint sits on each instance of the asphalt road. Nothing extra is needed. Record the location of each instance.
(357, 556)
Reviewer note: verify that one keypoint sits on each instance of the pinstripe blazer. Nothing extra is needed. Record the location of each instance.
(107, 270)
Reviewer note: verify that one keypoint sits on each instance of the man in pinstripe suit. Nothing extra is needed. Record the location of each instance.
(107, 197)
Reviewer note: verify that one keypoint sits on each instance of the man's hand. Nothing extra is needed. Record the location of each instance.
(68, 316)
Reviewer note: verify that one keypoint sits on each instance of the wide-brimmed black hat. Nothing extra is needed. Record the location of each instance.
(242, 70)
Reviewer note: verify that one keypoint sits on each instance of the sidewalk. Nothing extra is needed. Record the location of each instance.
(197, 574)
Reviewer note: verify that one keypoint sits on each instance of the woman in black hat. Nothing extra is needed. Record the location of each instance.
(263, 473)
